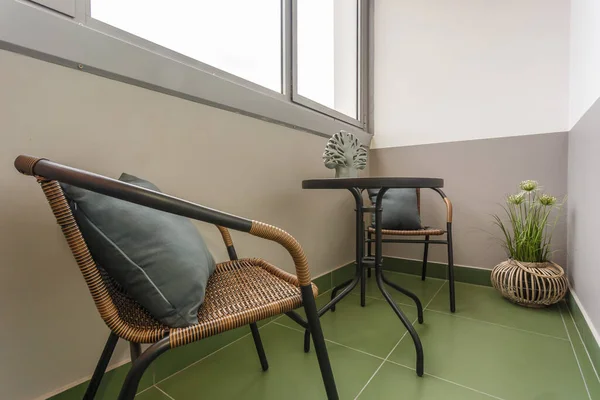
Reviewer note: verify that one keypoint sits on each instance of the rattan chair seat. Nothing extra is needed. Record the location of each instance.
(239, 292)
(419, 232)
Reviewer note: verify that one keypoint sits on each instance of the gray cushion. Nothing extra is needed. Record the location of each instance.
(159, 259)
(400, 209)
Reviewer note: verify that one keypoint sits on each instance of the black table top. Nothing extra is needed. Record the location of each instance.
(372, 183)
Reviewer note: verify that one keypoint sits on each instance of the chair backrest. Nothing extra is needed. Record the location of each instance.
(124, 316)
(418, 200)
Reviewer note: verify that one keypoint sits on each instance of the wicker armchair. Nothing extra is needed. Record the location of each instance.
(427, 232)
(240, 292)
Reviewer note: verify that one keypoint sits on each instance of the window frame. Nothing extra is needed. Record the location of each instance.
(72, 36)
(172, 54)
(361, 53)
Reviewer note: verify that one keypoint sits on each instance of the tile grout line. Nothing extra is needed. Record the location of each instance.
(449, 381)
(413, 369)
(575, 354)
(142, 391)
(398, 302)
(438, 377)
(435, 295)
(394, 348)
(381, 365)
(165, 393)
(582, 342)
(474, 319)
(500, 325)
(208, 355)
(331, 341)
(377, 298)
(155, 384)
(428, 277)
(214, 352)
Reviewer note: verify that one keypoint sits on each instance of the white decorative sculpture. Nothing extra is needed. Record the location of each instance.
(345, 153)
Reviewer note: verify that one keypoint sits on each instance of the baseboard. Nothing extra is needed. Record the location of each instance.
(110, 386)
(331, 278)
(180, 358)
(462, 273)
(587, 332)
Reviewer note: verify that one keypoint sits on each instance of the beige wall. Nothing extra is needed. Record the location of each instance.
(51, 334)
(477, 175)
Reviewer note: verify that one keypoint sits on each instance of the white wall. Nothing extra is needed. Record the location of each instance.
(584, 215)
(469, 69)
(51, 334)
(584, 161)
(584, 83)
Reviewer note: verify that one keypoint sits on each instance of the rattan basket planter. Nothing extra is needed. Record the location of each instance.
(534, 285)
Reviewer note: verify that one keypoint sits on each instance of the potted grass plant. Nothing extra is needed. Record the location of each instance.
(529, 277)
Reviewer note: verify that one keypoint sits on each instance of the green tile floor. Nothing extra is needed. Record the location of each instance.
(489, 349)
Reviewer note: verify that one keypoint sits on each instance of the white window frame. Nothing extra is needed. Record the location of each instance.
(40, 32)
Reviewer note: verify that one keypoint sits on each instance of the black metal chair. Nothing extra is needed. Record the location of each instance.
(427, 232)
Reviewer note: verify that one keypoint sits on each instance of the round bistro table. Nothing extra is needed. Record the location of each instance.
(356, 187)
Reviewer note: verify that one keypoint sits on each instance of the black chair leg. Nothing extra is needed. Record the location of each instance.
(259, 347)
(451, 268)
(109, 348)
(310, 307)
(306, 341)
(139, 366)
(363, 287)
(425, 251)
(369, 252)
(135, 349)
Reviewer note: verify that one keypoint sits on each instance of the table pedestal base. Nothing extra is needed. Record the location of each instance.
(366, 263)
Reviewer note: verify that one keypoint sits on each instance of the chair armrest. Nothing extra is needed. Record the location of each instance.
(225, 235)
(44, 169)
(269, 232)
(280, 236)
(228, 242)
(448, 204)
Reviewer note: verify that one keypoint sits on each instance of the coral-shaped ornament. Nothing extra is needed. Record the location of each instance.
(345, 154)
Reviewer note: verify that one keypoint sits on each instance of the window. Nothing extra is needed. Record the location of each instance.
(327, 54)
(241, 37)
(244, 38)
(300, 63)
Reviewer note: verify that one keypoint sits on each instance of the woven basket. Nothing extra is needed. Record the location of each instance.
(534, 285)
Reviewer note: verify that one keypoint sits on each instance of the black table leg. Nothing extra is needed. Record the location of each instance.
(407, 293)
(359, 275)
(360, 243)
(330, 306)
(404, 319)
(349, 285)
(337, 288)
(380, 284)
